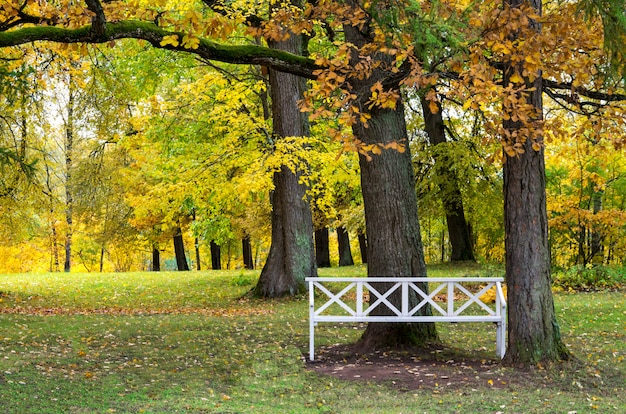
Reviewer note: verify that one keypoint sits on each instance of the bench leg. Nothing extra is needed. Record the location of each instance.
(501, 339)
(311, 340)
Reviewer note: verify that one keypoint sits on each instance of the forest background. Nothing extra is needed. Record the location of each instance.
(114, 164)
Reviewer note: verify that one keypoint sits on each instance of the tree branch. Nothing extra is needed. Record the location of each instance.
(132, 29)
(600, 96)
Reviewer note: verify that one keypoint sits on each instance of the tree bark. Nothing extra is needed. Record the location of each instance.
(246, 248)
(596, 253)
(343, 241)
(156, 259)
(196, 244)
(292, 256)
(179, 250)
(69, 195)
(362, 246)
(322, 250)
(394, 246)
(534, 334)
(216, 256)
(451, 197)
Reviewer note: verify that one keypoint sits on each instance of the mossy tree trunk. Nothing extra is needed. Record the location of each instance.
(292, 256)
(533, 332)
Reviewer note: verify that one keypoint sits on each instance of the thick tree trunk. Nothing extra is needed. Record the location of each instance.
(343, 241)
(216, 256)
(322, 250)
(534, 334)
(292, 256)
(533, 331)
(156, 259)
(451, 197)
(394, 246)
(246, 248)
(179, 250)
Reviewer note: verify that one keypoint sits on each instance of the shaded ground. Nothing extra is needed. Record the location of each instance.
(436, 368)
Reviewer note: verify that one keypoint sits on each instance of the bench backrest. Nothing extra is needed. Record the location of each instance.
(449, 299)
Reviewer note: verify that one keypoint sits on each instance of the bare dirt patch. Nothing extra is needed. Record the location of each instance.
(434, 368)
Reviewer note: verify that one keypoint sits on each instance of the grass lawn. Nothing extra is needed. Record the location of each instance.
(185, 342)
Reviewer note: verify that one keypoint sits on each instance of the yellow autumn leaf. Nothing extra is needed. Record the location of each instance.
(516, 78)
(169, 40)
(191, 42)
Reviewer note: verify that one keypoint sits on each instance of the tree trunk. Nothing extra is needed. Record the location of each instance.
(596, 255)
(292, 256)
(451, 197)
(54, 237)
(534, 334)
(394, 246)
(102, 251)
(156, 259)
(246, 248)
(69, 196)
(196, 245)
(179, 250)
(345, 254)
(322, 250)
(362, 247)
(216, 256)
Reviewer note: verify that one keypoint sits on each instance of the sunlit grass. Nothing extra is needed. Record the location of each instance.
(192, 342)
(155, 291)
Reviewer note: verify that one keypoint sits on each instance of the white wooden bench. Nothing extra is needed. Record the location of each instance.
(350, 304)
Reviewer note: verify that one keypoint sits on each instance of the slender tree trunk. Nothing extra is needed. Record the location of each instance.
(343, 241)
(246, 248)
(197, 247)
(196, 243)
(156, 259)
(54, 237)
(394, 246)
(69, 196)
(362, 246)
(322, 250)
(292, 256)
(102, 251)
(534, 334)
(216, 256)
(451, 197)
(597, 239)
(179, 250)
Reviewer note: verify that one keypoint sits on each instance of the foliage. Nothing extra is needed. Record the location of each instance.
(585, 185)
(590, 278)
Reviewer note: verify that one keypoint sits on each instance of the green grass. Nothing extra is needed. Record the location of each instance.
(187, 342)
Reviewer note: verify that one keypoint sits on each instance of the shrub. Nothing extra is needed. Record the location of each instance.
(590, 278)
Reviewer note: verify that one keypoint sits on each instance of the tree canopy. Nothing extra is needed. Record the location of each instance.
(367, 61)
